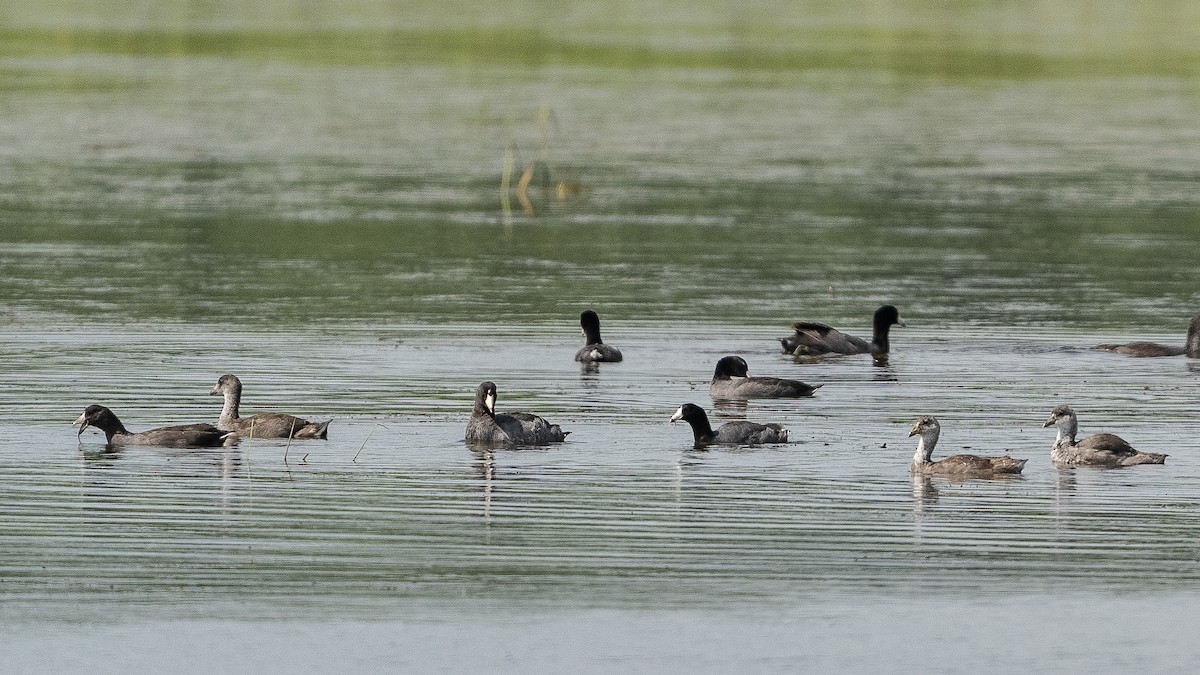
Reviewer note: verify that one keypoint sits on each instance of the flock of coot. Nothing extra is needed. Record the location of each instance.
(228, 429)
(731, 381)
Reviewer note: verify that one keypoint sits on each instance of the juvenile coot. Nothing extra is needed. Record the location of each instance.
(958, 466)
(732, 380)
(730, 433)
(181, 436)
(594, 350)
(518, 428)
(1102, 450)
(262, 425)
(1191, 348)
(813, 338)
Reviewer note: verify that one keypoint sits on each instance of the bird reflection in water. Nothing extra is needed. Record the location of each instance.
(485, 472)
(589, 372)
(727, 408)
(923, 491)
(884, 372)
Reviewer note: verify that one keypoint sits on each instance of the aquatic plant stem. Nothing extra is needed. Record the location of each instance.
(364, 443)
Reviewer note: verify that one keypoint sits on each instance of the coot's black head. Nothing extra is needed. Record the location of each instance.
(485, 398)
(690, 413)
(227, 384)
(731, 366)
(888, 315)
(590, 323)
(100, 417)
(695, 416)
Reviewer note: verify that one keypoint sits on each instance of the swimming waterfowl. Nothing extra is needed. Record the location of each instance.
(262, 425)
(730, 433)
(817, 338)
(181, 436)
(956, 466)
(732, 380)
(1191, 348)
(594, 350)
(1102, 450)
(518, 428)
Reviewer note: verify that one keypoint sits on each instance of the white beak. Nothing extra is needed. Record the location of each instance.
(490, 402)
(79, 420)
(678, 415)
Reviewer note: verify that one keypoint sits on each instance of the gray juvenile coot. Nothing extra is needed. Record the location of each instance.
(181, 436)
(594, 350)
(960, 466)
(262, 425)
(1191, 348)
(1102, 450)
(813, 338)
(730, 433)
(725, 386)
(518, 428)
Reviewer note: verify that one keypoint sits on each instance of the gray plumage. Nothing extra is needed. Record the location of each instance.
(955, 466)
(1147, 349)
(732, 380)
(486, 427)
(594, 350)
(1100, 450)
(181, 436)
(262, 425)
(813, 338)
(730, 433)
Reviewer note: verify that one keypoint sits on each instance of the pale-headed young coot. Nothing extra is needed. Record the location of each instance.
(262, 425)
(1100, 450)
(955, 466)
(1191, 348)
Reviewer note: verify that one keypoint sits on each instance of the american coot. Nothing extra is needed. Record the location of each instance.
(182, 436)
(594, 350)
(725, 386)
(1192, 348)
(817, 338)
(487, 427)
(1102, 450)
(262, 425)
(730, 433)
(958, 466)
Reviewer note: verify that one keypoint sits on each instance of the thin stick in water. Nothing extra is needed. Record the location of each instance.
(249, 440)
(289, 443)
(364, 443)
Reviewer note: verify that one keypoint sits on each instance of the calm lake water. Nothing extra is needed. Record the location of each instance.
(329, 203)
